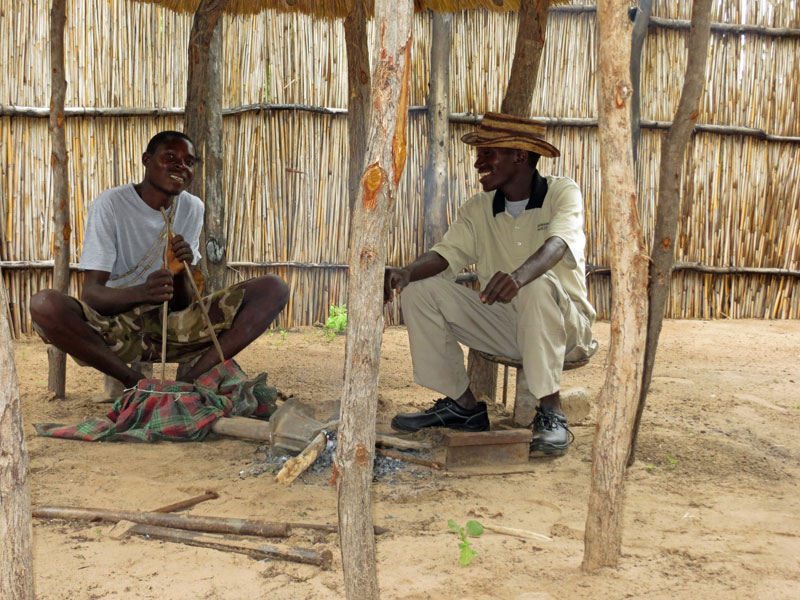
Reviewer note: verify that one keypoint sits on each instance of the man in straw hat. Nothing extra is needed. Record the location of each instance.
(118, 319)
(524, 233)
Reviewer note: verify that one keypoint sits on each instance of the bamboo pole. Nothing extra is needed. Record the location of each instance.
(385, 156)
(57, 359)
(620, 393)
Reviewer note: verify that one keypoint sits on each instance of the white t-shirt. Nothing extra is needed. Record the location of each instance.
(125, 237)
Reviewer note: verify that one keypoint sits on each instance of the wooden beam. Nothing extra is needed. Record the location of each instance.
(203, 123)
(16, 543)
(620, 393)
(56, 359)
(437, 177)
(385, 159)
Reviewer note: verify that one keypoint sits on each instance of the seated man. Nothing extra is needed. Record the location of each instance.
(524, 233)
(118, 319)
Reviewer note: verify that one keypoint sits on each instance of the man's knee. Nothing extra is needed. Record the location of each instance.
(48, 308)
(420, 291)
(538, 291)
(270, 290)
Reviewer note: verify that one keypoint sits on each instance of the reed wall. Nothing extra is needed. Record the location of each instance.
(286, 170)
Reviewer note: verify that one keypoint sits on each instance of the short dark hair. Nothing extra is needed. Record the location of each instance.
(163, 138)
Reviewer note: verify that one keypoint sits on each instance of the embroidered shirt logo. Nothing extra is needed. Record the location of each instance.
(543, 226)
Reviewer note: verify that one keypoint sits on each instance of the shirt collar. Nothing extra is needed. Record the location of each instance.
(536, 199)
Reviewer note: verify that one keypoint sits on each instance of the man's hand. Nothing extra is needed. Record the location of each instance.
(502, 287)
(158, 288)
(179, 252)
(394, 278)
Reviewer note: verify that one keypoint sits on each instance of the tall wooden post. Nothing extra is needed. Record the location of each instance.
(56, 359)
(358, 85)
(16, 533)
(203, 123)
(531, 30)
(637, 43)
(385, 159)
(437, 179)
(673, 148)
(620, 393)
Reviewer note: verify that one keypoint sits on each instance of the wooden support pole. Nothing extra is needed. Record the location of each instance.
(385, 159)
(673, 149)
(620, 393)
(637, 43)
(531, 30)
(437, 188)
(16, 541)
(203, 123)
(358, 102)
(56, 359)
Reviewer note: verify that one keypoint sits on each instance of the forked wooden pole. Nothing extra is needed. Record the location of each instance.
(199, 298)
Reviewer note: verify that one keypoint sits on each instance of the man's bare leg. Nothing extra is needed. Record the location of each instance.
(264, 298)
(61, 319)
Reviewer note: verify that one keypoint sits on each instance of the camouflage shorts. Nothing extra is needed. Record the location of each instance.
(136, 335)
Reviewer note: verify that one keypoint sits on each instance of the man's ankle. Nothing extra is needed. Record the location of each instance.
(553, 402)
(467, 400)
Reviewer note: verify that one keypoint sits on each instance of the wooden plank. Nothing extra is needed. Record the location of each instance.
(486, 438)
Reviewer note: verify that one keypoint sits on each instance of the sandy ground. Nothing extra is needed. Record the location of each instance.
(711, 509)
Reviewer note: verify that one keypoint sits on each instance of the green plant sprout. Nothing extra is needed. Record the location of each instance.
(472, 529)
(337, 318)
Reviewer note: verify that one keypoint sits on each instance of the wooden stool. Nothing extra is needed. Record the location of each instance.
(524, 401)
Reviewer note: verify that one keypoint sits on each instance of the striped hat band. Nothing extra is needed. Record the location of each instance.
(505, 131)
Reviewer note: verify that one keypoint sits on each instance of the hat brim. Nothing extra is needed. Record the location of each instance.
(518, 143)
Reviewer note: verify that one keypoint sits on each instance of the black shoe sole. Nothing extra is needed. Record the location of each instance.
(548, 450)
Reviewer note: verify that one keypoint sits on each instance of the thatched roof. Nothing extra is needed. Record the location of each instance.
(336, 8)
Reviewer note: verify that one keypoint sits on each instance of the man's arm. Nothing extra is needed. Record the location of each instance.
(427, 265)
(160, 286)
(503, 287)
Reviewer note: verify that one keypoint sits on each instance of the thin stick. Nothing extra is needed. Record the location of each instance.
(294, 467)
(255, 549)
(409, 459)
(190, 522)
(209, 324)
(188, 503)
(165, 311)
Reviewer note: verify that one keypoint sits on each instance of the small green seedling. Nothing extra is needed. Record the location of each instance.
(672, 461)
(337, 318)
(473, 529)
(284, 334)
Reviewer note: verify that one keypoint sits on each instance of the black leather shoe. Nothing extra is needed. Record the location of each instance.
(445, 413)
(551, 436)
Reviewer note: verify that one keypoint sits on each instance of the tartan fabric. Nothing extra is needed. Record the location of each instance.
(174, 410)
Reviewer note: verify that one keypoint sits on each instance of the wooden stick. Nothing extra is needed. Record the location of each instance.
(188, 503)
(255, 549)
(190, 522)
(330, 528)
(520, 533)
(384, 439)
(409, 459)
(244, 428)
(294, 467)
(165, 309)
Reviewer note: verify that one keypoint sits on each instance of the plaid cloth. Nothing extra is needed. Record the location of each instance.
(174, 410)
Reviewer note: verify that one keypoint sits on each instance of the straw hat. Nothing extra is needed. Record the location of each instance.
(505, 131)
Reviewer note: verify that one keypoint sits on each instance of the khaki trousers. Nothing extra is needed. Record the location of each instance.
(541, 326)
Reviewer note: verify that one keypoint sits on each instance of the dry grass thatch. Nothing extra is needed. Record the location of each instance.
(286, 171)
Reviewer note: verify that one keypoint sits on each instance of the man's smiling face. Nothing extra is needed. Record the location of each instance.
(496, 167)
(170, 168)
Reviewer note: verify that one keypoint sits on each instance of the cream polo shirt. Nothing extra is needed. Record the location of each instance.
(486, 235)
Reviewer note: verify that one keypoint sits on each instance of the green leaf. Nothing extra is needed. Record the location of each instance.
(474, 529)
(453, 527)
(467, 554)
